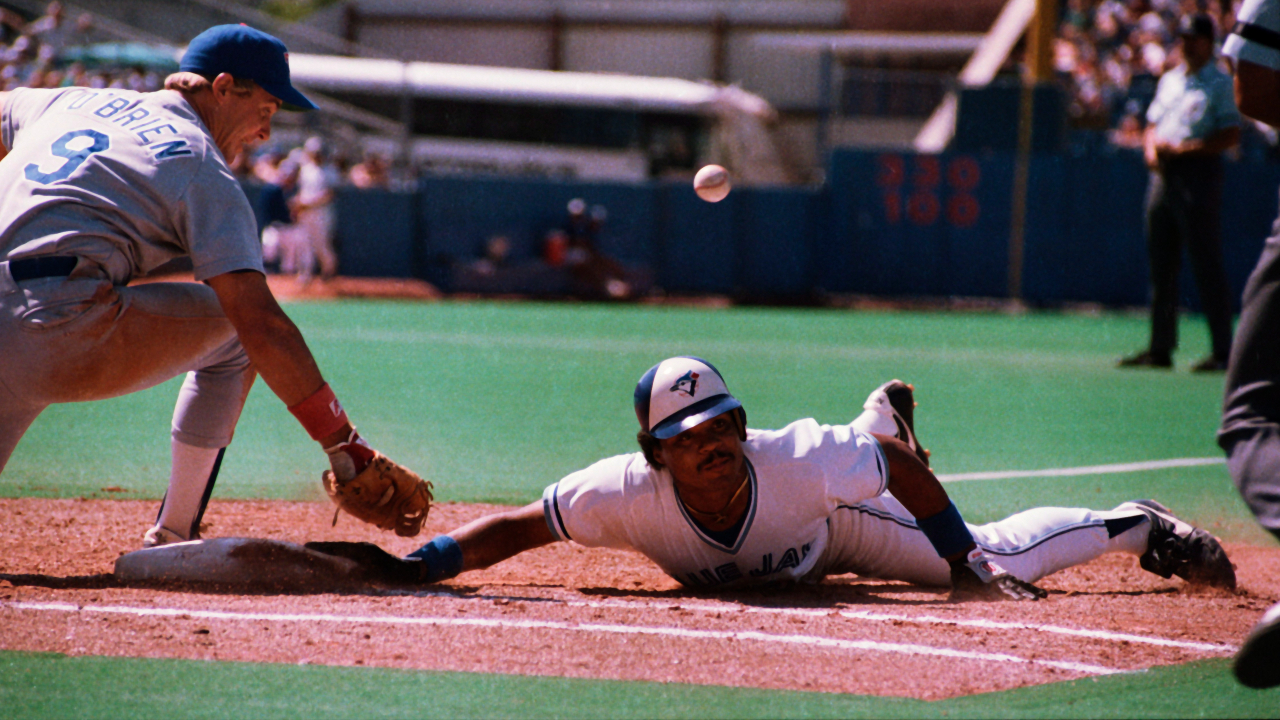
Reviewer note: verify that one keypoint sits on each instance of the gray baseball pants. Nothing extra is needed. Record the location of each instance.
(74, 340)
(1250, 431)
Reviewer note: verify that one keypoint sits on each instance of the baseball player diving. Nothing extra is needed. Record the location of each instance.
(102, 186)
(717, 505)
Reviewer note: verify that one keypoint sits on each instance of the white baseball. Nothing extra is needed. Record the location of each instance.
(712, 183)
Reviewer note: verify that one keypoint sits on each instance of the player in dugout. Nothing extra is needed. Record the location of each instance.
(717, 505)
(104, 186)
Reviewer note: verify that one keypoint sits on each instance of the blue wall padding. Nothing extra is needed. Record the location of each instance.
(1084, 231)
(695, 251)
(375, 233)
(884, 223)
(776, 230)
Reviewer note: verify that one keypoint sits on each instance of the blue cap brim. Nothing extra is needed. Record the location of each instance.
(289, 98)
(694, 415)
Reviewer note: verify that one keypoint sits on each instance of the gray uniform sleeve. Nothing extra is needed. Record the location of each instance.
(217, 225)
(19, 107)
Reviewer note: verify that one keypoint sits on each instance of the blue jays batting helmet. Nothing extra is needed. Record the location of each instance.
(679, 393)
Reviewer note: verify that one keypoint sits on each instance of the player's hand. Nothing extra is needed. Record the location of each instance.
(376, 564)
(978, 577)
(349, 458)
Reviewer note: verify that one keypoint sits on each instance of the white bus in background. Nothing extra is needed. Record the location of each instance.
(586, 126)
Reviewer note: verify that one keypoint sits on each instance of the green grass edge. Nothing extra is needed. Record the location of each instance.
(51, 685)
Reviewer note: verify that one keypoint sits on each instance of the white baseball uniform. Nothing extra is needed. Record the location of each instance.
(818, 507)
(316, 183)
(120, 182)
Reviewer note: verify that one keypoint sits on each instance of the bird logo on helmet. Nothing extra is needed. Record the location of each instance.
(680, 393)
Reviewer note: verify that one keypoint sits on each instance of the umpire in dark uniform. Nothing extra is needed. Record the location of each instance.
(1250, 431)
(1190, 123)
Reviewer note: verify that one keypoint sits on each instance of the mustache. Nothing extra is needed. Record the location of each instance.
(717, 455)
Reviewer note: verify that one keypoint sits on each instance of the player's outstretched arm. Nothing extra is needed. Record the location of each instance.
(493, 538)
(974, 574)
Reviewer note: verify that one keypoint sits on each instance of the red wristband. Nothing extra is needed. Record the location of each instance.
(321, 414)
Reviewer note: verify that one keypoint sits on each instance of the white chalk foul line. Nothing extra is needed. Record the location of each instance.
(746, 635)
(922, 620)
(1085, 470)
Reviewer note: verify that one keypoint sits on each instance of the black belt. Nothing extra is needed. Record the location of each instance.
(42, 267)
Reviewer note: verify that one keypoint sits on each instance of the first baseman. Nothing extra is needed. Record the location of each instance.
(716, 505)
(101, 186)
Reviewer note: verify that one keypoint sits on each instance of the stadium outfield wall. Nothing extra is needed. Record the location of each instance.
(884, 224)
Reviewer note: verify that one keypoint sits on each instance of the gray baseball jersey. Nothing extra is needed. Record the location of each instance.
(145, 183)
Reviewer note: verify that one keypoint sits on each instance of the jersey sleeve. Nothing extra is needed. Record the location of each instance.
(1256, 36)
(850, 463)
(216, 224)
(591, 506)
(858, 471)
(22, 106)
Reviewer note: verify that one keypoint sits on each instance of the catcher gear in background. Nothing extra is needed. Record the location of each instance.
(385, 494)
(978, 577)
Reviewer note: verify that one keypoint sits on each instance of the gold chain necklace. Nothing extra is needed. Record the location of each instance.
(722, 515)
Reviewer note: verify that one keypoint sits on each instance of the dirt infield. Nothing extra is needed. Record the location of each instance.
(567, 611)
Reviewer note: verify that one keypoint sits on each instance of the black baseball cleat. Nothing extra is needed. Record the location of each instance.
(1175, 547)
(1257, 665)
(896, 399)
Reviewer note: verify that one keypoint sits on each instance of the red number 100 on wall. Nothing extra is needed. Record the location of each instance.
(915, 195)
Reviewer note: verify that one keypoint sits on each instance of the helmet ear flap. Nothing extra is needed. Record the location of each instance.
(740, 414)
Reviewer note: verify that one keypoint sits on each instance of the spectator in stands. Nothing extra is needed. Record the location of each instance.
(1191, 122)
(313, 210)
(1128, 134)
(52, 31)
(497, 252)
(371, 172)
(1130, 43)
(596, 275)
(20, 62)
(279, 233)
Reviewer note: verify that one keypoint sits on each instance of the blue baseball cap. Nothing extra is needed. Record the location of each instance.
(680, 393)
(246, 54)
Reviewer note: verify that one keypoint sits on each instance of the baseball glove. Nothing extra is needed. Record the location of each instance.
(385, 494)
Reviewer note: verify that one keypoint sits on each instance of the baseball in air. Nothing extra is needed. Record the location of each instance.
(712, 183)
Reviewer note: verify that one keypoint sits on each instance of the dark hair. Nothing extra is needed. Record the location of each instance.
(648, 444)
(190, 82)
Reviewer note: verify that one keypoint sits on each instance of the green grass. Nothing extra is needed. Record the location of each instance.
(493, 401)
(43, 685)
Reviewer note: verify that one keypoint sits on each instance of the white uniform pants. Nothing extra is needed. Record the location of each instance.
(316, 225)
(879, 538)
(67, 340)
